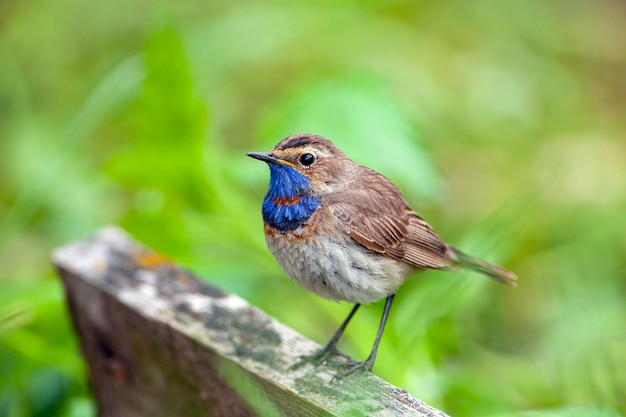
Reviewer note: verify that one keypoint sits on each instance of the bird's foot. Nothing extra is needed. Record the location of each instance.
(353, 367)
(318, 357)
(324, 354)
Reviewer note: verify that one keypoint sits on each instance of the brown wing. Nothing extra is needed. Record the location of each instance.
(378, 217)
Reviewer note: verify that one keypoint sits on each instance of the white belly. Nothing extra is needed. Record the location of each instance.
(338, 270)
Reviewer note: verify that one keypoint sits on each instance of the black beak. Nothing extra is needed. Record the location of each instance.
(264, 156)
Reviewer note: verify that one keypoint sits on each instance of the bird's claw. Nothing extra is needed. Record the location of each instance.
(325, 353)
(352, 368)
(317, 357)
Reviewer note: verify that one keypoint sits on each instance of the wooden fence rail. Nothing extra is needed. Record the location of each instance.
(159, 342)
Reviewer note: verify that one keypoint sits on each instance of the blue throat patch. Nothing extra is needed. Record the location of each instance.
(288, 204)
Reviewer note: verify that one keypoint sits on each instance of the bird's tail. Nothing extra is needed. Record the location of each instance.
(492, 271)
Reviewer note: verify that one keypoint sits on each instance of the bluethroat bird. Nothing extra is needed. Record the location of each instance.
(345, 232)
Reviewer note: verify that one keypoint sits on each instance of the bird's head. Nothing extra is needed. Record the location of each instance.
(303, 169)
(304, 164)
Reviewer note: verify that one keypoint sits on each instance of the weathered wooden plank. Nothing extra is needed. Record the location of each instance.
(161, 343)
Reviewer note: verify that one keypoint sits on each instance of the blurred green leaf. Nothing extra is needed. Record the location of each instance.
(167, 119)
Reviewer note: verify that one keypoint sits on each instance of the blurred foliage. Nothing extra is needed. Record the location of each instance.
(502, 122)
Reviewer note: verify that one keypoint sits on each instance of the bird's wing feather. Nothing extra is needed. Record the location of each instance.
(379, 218)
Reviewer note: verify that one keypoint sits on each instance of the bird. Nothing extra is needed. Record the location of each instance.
(346, 233)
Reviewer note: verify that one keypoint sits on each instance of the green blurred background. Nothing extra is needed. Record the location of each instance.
(503, 122)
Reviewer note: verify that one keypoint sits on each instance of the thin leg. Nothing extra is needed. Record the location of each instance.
(331, 347)
(332, 344)
(369, 362)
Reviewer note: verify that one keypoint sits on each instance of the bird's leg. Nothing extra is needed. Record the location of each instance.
(331, 347)
(369, 362)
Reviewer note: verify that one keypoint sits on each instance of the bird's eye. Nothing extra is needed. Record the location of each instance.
(307, 159)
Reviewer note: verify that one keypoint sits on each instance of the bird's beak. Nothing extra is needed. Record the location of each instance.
(269, 158)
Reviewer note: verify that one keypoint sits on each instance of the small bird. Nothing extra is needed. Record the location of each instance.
(346, 233)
